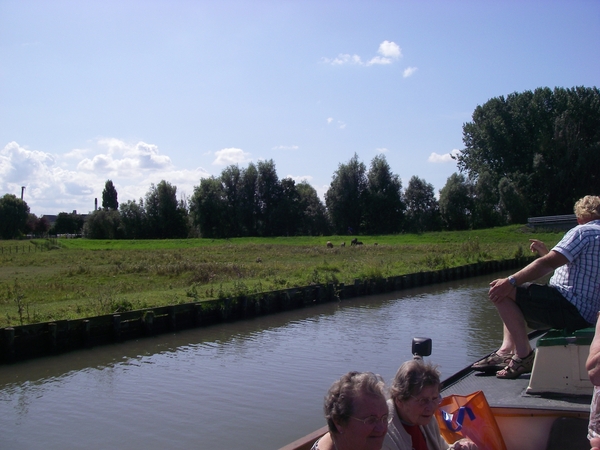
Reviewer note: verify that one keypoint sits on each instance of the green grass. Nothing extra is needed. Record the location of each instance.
(75, 278)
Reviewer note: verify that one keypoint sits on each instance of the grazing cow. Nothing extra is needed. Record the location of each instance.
(354, 241)
(343, 244)
(329, 244)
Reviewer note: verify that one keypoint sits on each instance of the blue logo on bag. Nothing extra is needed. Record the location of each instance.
(460, 417)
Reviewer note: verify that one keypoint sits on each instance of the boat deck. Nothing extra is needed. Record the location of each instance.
(527, 421)
(512, 394)
(502, 393)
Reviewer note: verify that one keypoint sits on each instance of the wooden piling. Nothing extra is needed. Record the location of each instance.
(52, 333)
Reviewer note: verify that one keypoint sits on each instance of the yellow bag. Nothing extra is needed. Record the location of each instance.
(469, 416)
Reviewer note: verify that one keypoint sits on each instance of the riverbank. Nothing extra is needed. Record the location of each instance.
(42, 339)
(77, 278)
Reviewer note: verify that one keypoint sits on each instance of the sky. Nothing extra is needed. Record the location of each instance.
(139, 91)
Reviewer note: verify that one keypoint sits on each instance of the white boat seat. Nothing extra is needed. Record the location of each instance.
(559, 365)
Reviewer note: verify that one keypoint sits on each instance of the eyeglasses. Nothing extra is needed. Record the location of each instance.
(373, 420)
(423, 402)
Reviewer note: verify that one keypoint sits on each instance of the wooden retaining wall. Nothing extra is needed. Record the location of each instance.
(42, 339)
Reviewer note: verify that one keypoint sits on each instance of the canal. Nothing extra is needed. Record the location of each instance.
(255, 384)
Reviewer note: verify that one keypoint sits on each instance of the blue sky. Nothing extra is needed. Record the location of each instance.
(144, 91)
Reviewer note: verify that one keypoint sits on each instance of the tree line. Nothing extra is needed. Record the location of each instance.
(254, 201)
(529, 154)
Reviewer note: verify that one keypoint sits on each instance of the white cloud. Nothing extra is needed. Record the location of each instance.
(388, 52)
(228, 156)
(379, 60)
(76, 153)
(445, 158)
(125, 159)
(329, 120)
(286, 147)
(381, 150)
(409, 71)
(341, 124)
(69, 182)
(343, 58)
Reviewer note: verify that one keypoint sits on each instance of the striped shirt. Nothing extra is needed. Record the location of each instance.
(579, 280)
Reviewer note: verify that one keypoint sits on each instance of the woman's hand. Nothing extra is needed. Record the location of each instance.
(464, 444)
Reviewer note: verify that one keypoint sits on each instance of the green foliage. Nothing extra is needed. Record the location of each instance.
(254, 202)
(166, 218)
(423, 210)
(14, 213)
(103, 224)
(541, 149)
(109, 196)
(67, 223)
(345, 198)
(384, 205)
(456, 203)
(209, 208)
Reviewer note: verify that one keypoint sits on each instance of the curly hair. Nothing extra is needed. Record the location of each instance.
(412, 377)
(588, 207)
(339, 401)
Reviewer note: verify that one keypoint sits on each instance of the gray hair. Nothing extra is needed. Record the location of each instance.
(587, 207)
(339, 401)
(412, 377)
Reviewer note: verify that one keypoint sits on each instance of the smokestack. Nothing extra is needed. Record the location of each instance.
(96, 204)
(22, 191)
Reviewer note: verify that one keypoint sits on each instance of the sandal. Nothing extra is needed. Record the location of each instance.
(493, 362)
(517, 367)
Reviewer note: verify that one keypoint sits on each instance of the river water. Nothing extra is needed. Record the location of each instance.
(255, 384)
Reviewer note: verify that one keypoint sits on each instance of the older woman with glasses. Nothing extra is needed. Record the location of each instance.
(356, 413)
(415, 395)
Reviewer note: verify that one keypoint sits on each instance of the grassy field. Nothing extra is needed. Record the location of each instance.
(73, 278)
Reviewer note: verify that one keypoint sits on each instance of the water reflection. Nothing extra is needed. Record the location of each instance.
(251, 384)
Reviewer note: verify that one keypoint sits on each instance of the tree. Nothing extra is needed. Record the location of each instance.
(486, 203)
(545, 145)
(68, 223)
(384, 206)
(133, 219)
(109, 197)
(513, 203)
(166, 218)
(209, 208)
(313, 220)
(14, 213)
(346, 196)
(288, 212)
(249, 207)
(455, 203)
(38, 226)
(423, 211)
(231, 181)
(103, 224)
(268, 193)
